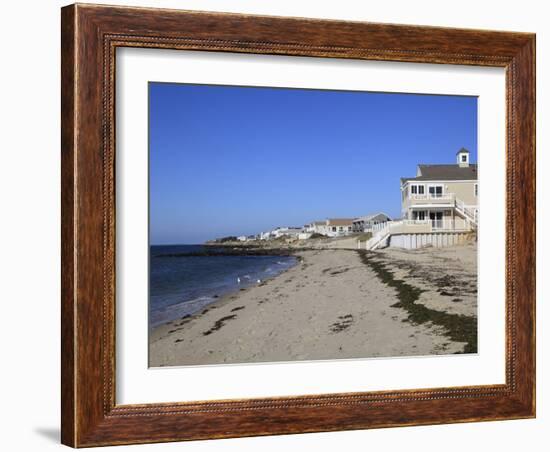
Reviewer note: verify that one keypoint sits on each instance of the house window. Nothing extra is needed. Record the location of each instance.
(464, 158)
(417, 189)
(334, 229)
(435, 191)
(475, 189)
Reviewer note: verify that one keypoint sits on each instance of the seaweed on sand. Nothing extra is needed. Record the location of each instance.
(459, 328)
(219, 323)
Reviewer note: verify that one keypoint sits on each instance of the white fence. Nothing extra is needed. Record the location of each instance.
(382, 231)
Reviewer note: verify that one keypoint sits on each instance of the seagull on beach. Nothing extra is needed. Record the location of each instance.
(238, 280)
(259, 281)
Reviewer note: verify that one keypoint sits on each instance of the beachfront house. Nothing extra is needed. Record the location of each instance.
(331, 227)
(315, 227)
(366, 223)
(335, 227)
(446, 195)
(281, 232)
(439, 207)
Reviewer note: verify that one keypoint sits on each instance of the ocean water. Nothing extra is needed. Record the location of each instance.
(183, 285)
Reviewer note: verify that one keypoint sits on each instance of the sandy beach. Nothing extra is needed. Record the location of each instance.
(336, 303)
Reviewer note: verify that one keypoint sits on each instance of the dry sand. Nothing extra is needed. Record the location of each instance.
(331, 305)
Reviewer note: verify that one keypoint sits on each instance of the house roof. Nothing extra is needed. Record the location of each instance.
(462, 150)
(340, 221)
(444, 172)
(371, 216)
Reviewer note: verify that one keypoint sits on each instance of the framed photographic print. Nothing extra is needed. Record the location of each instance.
(281, 225)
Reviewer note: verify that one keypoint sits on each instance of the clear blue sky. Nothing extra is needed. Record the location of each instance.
(227, 160)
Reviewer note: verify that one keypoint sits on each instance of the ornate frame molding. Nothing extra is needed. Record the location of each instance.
(90, 37)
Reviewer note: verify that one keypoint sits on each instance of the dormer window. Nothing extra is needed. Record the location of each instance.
(463, 158)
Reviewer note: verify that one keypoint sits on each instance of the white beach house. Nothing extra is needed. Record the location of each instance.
(336, 227)
(366, 223)
(315, 227)
(331, 227)
(280, 232)
(439, 207)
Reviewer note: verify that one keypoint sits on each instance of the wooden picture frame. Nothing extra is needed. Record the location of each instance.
(90, 36)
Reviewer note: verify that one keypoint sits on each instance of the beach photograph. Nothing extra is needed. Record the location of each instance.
(290, 224)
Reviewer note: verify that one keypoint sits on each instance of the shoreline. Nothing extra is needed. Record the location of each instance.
(329, 305)
(218, 299)
(220, 286)
(236, 251)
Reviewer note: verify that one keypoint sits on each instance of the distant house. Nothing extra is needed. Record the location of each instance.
(292, 231)
(241, 238)
(264, 235)
(365, 224)
(335, 227)
(280, 232)
(315, 227)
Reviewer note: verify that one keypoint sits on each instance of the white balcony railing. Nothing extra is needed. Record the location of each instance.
(433, 197)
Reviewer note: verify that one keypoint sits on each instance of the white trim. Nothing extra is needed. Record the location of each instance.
(432, 206)
(450, 181)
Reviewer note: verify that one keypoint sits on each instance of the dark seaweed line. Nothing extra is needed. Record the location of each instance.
(459, 328)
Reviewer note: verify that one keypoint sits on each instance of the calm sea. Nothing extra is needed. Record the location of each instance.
(183, 285)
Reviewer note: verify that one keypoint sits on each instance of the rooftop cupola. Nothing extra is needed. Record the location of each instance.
(463, 158)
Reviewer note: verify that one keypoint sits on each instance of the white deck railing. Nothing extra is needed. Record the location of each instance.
(381, 232)
(433, 196)
(467, 212)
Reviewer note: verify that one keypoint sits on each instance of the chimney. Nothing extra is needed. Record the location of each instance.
(463, 158)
